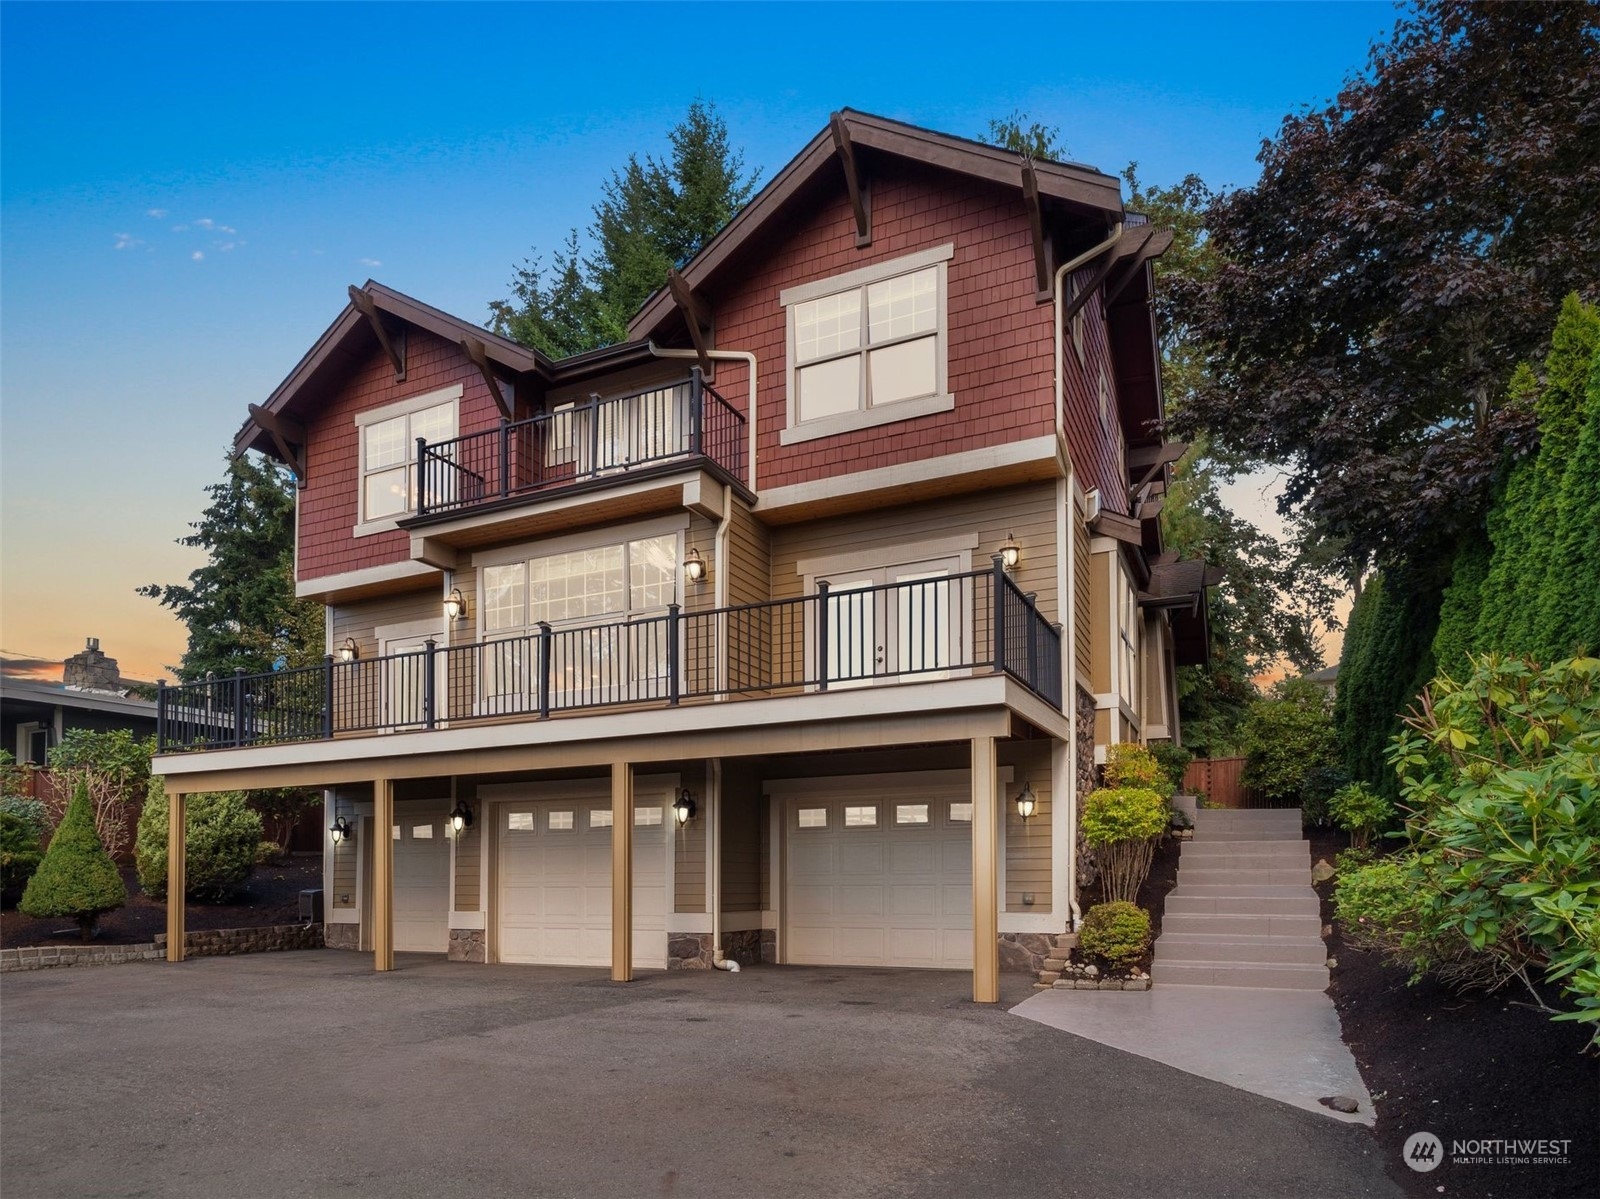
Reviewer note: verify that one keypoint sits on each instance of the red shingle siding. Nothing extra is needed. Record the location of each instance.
(1094, 452)
(329, 504)
(1000, 349)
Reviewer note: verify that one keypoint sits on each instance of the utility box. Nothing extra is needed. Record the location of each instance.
(311, 906)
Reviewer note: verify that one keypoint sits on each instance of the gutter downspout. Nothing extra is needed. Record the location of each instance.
(1067, 572)
(749, 360)
(714, 865)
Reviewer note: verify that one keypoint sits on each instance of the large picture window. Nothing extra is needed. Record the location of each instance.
(868, 347)
(389, 450)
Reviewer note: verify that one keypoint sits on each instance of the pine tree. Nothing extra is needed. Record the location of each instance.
(240, 606)
(652, 216)
(77, 877)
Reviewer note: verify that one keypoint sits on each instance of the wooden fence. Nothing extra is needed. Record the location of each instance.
(1220, 780)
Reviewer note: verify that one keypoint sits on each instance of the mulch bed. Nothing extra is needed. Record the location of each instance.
(1466, 1067)
(270, 896)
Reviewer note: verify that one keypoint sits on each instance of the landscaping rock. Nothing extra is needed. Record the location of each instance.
(1321, 872)
(1340, 1103)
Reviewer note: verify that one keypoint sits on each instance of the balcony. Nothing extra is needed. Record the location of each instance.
(583, 444)
(950, 626)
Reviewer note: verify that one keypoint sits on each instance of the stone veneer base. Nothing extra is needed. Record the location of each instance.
(468, 945)
(202, 943)
(342, 936)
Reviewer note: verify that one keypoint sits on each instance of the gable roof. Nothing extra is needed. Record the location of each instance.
(1070, 183)
(350, 340)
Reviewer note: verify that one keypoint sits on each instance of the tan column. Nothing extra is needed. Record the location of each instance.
(621, 872)
(985, 873)
(177, 859)
(383, 874)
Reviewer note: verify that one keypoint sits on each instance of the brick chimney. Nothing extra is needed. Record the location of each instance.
(91, 670)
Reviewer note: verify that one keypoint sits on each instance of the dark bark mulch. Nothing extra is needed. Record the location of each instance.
(270, 896)
(1466, 1067)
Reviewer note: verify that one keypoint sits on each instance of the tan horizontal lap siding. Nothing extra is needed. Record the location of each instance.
(689, 852)
(744, 867)
(1102, 620)
(1083, 631)
(1028, 843)
(749, 558)
(469, 866)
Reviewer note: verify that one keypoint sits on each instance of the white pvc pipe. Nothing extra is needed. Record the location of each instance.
(749, 360)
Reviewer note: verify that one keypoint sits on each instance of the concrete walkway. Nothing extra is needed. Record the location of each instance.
(1283, 1044)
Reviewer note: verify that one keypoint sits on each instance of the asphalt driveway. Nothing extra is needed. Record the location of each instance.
(305, 1074)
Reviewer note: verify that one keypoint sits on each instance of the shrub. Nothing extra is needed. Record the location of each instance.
(21, 835)
(1122, 824)
(268, 852)
(1318, 787)
(1116, 932)
(114, 766)
(221, 836)
(1287, 735)
(1361, 812)
(77, 877)
(1174, 760)
(1131, 765)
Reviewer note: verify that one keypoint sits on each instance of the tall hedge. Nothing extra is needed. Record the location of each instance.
(77, 878)
(1462, 605)
(1569, 610)
(1509, 589)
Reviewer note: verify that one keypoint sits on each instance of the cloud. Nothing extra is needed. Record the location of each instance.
(180, 228)
(197, 256)
(127, 241)
(370, 262)
(159, 214)
(211, 226)
(225, 246)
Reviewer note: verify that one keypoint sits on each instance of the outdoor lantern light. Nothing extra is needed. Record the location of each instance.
(455, 604)
(1011, 552)
(1026, 801)
(460, 816)
(694, 568)
(683, 806)
(341, 830)
(348, 651)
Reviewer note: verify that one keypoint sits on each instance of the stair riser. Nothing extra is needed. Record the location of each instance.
(1239, 925)
(1242, 905)
(1248, 815)
(1219, 877)
(1209, 836)
(1295, 849)
(1245, 861)
(1219, 974)
(1262, 949)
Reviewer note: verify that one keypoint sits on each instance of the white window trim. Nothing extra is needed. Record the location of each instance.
(372, 416)
(942, 400)
(588, 540)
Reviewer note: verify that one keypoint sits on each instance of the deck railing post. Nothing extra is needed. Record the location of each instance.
(594, 432)
(327, 697)
(672, 654)
(697, 391)
(1033, 639)
(822, 634)
(505, 457)
(161, 714)
(238, 705)
(999, 617)
(422, 476)
(428, 698)
(544, 670)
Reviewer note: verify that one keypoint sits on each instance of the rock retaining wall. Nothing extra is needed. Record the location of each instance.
(202, 943)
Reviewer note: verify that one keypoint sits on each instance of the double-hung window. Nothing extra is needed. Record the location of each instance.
(388, 449)
(868, 347)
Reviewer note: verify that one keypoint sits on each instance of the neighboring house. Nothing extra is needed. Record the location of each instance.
(35, 714)
(744, 636)
(1327, 678)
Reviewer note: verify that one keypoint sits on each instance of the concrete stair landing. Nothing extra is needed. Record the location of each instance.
(1243, 912)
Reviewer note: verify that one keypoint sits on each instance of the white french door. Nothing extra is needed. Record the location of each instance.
(905, 621)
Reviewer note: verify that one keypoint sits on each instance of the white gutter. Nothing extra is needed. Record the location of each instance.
(749, 360)
(1067, 576)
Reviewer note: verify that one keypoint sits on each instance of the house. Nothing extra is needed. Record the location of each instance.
(35, 714)
(780, 632)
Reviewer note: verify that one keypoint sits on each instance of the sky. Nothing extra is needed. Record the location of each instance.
(187, 190)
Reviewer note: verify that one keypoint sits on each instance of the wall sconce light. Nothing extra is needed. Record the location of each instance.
(460, 817)
(683, 807)
(1011, 552)
(348, 651)
(341, 830)
(1026, 801)
(455, 604)
(694, 568)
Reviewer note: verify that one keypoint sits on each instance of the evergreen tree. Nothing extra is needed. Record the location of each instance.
(1574, 589)
(1507, 588)
(240, 606)
(77, 877)
(1462, 604)
(652, 216)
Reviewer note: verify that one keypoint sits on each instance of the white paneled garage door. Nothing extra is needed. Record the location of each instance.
(555, 883)
(421, 878)
(876, 881)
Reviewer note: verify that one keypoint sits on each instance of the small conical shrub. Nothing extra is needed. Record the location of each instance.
(77, 877)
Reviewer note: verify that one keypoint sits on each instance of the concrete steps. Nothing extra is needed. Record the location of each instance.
(1243, 913)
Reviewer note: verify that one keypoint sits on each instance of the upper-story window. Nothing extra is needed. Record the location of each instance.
(868, 347)
(389, 450)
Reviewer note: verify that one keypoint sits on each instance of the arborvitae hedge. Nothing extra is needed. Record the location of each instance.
(1463, 602)
(1569, 604)
(1509, 588)
(77, 877)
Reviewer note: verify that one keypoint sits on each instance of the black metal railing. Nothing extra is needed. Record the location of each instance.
(578, 442)
(838, 637)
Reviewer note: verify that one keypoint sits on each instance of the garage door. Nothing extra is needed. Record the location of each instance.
(555, 883)
(421, 880)
(880, 882)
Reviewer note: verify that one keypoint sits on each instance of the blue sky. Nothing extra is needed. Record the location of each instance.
(186, 191)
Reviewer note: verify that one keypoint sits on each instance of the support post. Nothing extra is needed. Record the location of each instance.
(822, 634)
(238, 705)
(429, 649)
(621, 872)
(327, 697)
(383, 874)
(177, 882)
(544, 670)
(985, 872)
(999, 617)
(422, 476)
(673, 651)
